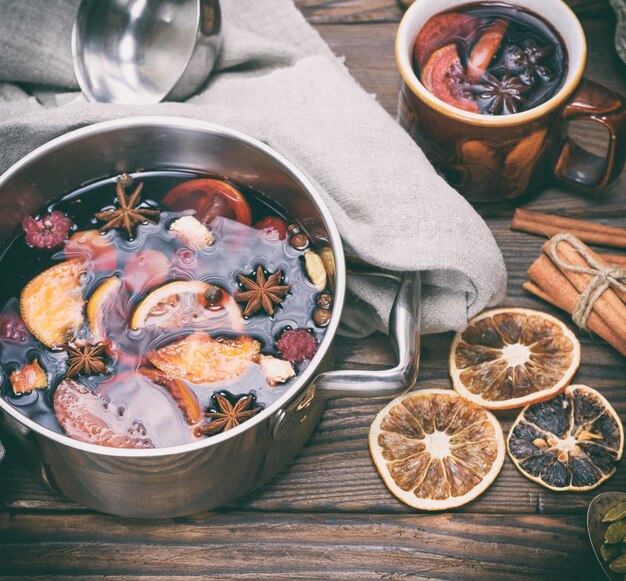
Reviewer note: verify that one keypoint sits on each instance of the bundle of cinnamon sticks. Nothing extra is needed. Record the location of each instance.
(567, 268)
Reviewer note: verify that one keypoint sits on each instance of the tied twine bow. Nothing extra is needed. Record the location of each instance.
(602, 276)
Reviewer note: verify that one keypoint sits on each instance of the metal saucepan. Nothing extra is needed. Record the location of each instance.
(175, 481)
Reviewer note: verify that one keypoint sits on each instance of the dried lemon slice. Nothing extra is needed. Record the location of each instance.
(508, 358)
(51, 304)
(436, 450)
(572, 442)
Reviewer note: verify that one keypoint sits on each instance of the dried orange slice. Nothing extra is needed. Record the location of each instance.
(99, 303)
(508, 358)
(51, 304)
(188, 303)
(436, 450)
(201, 359)
(571, 442)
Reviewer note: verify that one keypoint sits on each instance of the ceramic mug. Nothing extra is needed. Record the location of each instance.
(489, 158)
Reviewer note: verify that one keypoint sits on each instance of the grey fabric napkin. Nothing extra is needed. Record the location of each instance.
(278, 81)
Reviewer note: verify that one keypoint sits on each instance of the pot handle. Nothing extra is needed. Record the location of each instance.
(404, 332)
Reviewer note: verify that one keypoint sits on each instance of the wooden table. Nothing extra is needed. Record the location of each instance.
(328, 515)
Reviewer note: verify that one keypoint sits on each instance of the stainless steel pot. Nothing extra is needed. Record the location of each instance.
(175, 481)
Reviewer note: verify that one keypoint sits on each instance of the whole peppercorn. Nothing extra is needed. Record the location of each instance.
(299, 241)
(324, 301)
(322, 317)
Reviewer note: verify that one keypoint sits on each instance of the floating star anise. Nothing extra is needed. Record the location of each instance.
(500, 96)
(128, 214)
(227, 415)
(526, 62)
(85, 360)
(262, 293)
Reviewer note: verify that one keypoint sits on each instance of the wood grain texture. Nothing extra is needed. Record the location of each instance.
(299, 546)
(328, 515)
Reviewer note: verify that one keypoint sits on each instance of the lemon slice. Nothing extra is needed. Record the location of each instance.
(436, 450)
(185, 304)
(99, 303)
(508, 358)
(52, 303)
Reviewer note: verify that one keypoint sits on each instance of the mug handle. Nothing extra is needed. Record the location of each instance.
(576, 165)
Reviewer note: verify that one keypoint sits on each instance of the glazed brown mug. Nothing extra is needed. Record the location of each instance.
(490, 158)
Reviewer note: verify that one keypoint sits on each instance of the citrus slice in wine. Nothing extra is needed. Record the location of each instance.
(199, 358)
(569, 443)
(99, 303)
(436, 450)
(188, 303)
(508, 358)
(52, 303)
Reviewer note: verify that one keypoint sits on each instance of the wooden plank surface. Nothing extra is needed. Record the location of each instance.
(328, 515)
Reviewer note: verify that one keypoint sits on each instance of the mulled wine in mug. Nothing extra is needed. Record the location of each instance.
(488, 89)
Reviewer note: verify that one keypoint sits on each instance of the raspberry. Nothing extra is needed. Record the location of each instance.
(12, 329)
(49, 231)
(273, 227)
(297, 345)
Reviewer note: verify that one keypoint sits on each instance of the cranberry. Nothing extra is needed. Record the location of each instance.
(49, 231)
(273, 227)
(12, 329)
(297, 345)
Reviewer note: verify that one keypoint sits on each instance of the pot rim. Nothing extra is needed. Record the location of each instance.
(335, 243)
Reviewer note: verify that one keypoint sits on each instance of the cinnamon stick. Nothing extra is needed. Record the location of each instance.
(613, 259)
(608, 306)
(548, 283)
(550, 225)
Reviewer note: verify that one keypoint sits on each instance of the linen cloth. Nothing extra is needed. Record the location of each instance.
(278, 81)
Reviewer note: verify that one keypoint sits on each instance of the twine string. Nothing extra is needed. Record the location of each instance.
(602, 276)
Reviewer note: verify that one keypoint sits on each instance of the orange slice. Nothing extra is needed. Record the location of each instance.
(436, 450)
(572, 442)
(52, 303)
(182, 394)
(185, 304)
(485, 49)
(99, 303)
(28, 378)
(508, 358)
(202, 359)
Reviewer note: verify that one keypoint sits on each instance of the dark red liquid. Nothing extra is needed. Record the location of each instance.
(124, 398)
(492, 59)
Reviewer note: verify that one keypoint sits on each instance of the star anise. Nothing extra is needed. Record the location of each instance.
(500, 96)
(526, 62)
(262, 293)
(128, 214)
(227, 415)
(85, 360)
